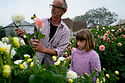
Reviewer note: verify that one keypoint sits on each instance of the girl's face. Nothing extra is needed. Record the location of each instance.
(81, 44)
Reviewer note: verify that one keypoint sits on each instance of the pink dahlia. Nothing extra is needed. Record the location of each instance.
(119, 30)
(39, 23)
(103, 38)
(124, 29)
(119, 44)
(108, 32)
(105, 34)
(101, 47)
(66, 54)
(73, 49)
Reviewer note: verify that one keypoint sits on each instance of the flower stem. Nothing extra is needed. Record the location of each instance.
(9, 61)
(1, 63)
(5, 81)
(21, 26)
(9, 58)
(10, 79)
(33, 50)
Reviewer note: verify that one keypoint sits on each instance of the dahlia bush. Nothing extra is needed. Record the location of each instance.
(18, 64)
(110, 45)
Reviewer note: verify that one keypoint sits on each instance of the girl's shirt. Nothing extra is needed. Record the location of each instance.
(84, 62)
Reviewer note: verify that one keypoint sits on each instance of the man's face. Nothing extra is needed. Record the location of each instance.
(57, 9)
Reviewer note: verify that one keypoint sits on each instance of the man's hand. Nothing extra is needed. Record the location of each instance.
(20, 32)
(38, 46)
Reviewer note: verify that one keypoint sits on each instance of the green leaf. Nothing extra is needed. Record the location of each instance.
(32, 79)
(41, 36)
(29, 36)
(21, 51)
(35, 29)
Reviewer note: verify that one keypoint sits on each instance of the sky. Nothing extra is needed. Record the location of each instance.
(42, 10)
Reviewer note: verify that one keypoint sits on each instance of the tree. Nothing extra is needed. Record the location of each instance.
(2, 33)
(11, 33)
(99, 16)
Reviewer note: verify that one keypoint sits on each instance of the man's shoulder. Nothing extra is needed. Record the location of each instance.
(45, 19)
(65, 26)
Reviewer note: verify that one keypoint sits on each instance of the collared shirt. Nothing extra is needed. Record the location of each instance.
(59, 41)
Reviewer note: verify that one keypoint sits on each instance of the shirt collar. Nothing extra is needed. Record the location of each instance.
(61, 23)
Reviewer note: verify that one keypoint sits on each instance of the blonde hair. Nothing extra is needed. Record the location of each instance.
(85, 34)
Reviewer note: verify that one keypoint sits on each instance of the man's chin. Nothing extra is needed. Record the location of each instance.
(53, 15)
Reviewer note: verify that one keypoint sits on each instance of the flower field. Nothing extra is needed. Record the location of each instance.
(17, 63)
(110, 45)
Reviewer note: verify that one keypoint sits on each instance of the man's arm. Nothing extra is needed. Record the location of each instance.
(37, 45)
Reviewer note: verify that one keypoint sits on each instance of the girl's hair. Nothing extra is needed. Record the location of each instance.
(85, 34)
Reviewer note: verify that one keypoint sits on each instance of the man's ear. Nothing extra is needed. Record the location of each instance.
(64, 11)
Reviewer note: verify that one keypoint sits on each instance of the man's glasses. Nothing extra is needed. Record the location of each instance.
(55, 6)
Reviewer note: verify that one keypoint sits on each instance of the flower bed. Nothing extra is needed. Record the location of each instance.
(17, 63)
(110, 45)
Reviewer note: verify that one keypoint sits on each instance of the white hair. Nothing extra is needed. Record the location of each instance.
(64, 4)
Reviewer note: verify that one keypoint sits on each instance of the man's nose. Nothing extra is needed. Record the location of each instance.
(53, 9)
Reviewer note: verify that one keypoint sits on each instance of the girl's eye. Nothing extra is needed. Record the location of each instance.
(83, 41)
(77, 41)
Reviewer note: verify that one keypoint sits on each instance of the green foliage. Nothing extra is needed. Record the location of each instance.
(21, 51)
(113, 58)
(72, 43)
(2, 33)
(37, 34)
(41, 74)
(99, 16)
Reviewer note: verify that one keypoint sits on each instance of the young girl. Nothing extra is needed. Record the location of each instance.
(84, 58)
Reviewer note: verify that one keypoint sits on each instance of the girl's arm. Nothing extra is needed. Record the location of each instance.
(95, 63)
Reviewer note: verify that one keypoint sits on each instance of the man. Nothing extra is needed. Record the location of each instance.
(56, 32)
